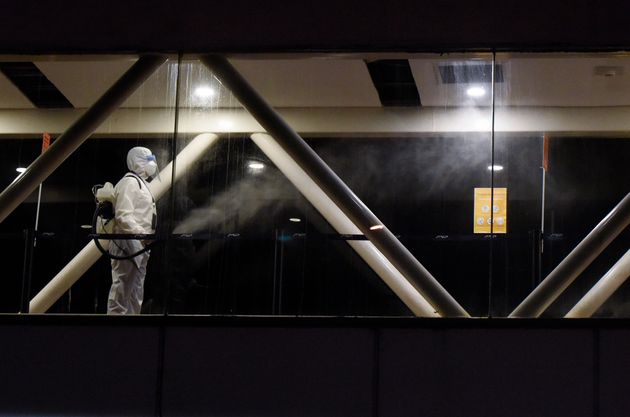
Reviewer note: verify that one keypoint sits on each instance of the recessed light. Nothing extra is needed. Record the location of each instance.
(295, 220)
(256, 165)
(204, 91)
(226, 124)
(495, 167)
(377, 227)
(20, 169)
(476, 91)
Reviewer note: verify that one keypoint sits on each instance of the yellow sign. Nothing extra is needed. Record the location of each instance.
(484, 215)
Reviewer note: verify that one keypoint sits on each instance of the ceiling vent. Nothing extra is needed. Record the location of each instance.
(469, 73)
(34, 85)
(394, 82)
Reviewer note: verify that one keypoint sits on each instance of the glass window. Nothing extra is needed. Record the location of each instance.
(489, 170)
(51, 95)
(561, 137)
(409, 136)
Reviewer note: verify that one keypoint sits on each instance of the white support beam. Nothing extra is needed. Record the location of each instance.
(604, 288)
(343, 225)
(319, 121)
(576, 261)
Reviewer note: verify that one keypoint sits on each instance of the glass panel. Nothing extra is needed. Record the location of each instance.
(66, 204)
(561, 133)
(410, 136)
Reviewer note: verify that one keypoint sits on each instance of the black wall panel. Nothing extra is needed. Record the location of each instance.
(268, 372)
(481, 372)
(196, 366)
(614, 368)
(59, 370)
(289, 25)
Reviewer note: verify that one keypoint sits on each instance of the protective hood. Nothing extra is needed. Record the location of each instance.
(141, 161)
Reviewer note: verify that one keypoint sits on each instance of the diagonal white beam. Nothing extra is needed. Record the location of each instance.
(604, 288)
(335, 189)
(343, 225)
(576, 261)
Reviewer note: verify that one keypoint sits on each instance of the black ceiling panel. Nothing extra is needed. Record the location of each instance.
(34, 85)
(394, 82)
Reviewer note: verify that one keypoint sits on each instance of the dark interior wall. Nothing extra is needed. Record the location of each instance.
(242, 25)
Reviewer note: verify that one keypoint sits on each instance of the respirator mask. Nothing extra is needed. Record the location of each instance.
(151, 167)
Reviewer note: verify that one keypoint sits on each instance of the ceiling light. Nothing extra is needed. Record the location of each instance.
(20, 169)
(226, 124)
(295, 220)
(256, 165)
(204, 91)
(495, 167)
(377, 227)
(476, 92)
(86, 226)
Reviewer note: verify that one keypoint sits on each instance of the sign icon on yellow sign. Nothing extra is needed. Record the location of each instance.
(484, 215)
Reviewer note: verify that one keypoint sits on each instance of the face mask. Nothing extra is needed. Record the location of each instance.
(150, 168)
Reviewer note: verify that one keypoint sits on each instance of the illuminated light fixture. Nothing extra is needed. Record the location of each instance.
(377, 227)
(476, 91)
(295, 220)
(226, 124)
(20, 170)
(86, 226)
(256, 165)
(495, 167)
(204, 91)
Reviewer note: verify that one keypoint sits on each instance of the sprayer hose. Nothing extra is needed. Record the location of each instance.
(105, 251)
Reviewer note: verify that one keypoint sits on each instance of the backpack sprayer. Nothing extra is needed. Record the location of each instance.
(104, 219)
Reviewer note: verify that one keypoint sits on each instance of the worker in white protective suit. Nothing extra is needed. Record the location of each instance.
(135, 213)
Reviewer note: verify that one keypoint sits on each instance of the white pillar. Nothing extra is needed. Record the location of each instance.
(343, 225)
(90, 253)
(604, 288)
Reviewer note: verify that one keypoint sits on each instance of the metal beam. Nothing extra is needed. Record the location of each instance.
(379, 122)
(576, 261)
(76, 134)
(335, 188)
(604, 288)
(342, 224)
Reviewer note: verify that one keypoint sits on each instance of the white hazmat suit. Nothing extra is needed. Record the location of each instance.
(135, 213)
